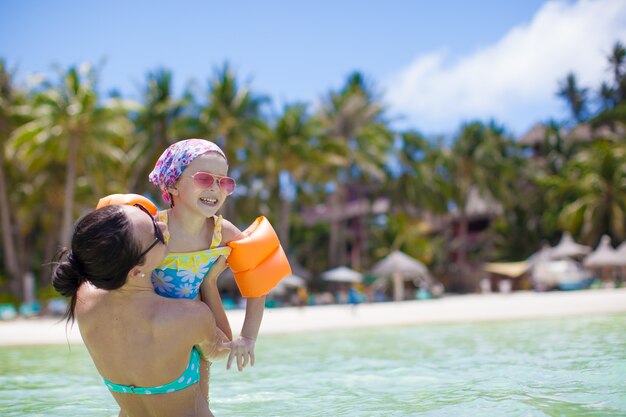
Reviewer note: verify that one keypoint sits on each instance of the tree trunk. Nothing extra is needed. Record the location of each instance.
(283, 221)
(139, 182)
(336, 223)
(8, 238)
(363, 240)
(48, 254)
(462, 248)
(354, 229)
(70, 185)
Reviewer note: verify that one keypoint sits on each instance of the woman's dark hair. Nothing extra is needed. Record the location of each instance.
(104, 250)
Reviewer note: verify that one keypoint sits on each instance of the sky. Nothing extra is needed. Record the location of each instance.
(434, 64)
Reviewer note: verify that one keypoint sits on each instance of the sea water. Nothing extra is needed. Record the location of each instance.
(545, 367)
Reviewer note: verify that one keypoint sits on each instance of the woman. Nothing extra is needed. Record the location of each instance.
(146, 347)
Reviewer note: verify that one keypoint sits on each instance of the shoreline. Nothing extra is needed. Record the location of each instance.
(448, 309)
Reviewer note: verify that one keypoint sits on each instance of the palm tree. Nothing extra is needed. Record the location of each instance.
(596, 178)
(607, 96)
(233, 118)
(617, 63)
(354, 119)
(156, 121)
(413, 181)
(475, 161)
(233, 114)
(70, 131)
(292, 151)
(7, 104)
(574, 96)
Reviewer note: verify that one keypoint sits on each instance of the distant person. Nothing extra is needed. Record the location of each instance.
(303, 296)
(146, 347)
(354, 297)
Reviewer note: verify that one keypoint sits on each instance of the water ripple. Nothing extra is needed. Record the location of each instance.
(538, 368)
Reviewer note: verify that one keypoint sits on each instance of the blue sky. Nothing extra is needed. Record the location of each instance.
(436, 64)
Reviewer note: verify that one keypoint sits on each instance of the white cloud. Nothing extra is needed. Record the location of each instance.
(513, 80)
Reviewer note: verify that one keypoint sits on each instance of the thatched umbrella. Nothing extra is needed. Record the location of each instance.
(401, 266)
(290, 281)
(621, 249)
(342, 274)
(585, 132)
(604, 255)
(542, 255)
(581, 133)
(536, 135)
(607, 261)
(568, 248)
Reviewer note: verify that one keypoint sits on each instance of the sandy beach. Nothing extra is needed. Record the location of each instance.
(449, 309)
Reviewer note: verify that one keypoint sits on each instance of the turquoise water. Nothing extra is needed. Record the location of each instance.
(556, 367)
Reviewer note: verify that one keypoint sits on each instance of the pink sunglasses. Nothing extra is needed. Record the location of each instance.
(206, 180)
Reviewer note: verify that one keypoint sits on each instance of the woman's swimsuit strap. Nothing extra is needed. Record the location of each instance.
(190, 376)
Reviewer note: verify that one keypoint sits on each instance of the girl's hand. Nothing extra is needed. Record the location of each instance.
(216, 269)
(243, 350)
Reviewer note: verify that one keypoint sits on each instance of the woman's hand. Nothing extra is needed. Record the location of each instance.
(222, 345)
(243, 350)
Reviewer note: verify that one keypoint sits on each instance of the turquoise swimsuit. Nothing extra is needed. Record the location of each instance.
(180, 274)
(190, 376)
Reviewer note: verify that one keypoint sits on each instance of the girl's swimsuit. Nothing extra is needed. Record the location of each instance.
(180, 274)
(190, 376)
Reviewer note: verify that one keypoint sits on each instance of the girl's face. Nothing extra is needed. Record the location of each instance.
(194, 194)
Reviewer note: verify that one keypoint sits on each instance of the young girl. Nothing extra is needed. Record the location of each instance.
(191, 175)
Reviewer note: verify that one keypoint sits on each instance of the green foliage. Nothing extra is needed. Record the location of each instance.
(343, 152)
(46, 293)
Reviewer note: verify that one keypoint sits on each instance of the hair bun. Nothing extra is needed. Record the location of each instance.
(68, 276)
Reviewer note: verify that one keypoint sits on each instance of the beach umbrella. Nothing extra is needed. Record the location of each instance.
(290, 281)
(567, 248)
(401, 266)
(293, 281)
(604, 255)
(542, 255)
(342, 274)
(400, 263)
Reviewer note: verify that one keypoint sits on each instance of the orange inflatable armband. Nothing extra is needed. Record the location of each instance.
(127, 200)
(258, 260)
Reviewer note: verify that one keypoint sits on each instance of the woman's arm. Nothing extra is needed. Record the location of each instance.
(200, 327)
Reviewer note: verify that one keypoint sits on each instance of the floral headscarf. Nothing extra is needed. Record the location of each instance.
(175, 159)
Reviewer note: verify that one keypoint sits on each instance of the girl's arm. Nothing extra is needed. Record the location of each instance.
(211, 296)
(242, 349)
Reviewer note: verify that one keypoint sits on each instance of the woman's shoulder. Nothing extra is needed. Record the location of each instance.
(180, 310)
(87, 297)
(182, 319)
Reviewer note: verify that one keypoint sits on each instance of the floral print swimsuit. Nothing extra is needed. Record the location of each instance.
(180, 274)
